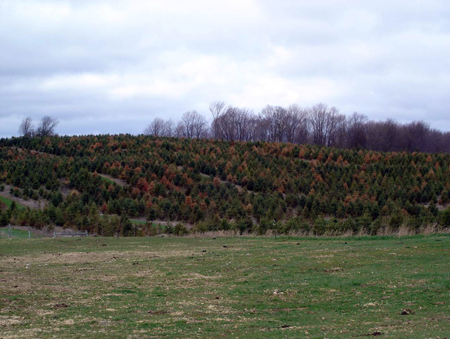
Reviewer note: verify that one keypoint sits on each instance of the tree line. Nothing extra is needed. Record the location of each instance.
(317, 125)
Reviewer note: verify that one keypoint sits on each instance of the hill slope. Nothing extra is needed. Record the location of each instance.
(216, 185)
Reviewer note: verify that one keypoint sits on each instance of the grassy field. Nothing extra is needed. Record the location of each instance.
(8, 203)
(15, 233)
(225, 287)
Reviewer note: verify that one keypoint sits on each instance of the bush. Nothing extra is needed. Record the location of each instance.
(414, 224)
(201, 227)
(320, 226)
(225, 225)
(376, 226)
(294, 225)
(333, 226)
(150, 230)
(349, 225)
(445, 218)
(396, 221)
(263, 226)
(180, 230)
(244, 225)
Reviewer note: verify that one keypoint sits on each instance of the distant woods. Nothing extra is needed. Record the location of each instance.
(46, 127)
(318, 125)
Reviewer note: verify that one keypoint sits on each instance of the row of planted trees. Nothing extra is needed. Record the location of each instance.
(114, 225)
(214, 184)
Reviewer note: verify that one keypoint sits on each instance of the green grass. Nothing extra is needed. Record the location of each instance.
(226, 288)
(142, 222)
(139, 222)
(8, 203)
(107, 180)
(4, 233)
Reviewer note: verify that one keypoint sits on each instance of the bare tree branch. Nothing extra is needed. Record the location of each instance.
(26, 128)
(47, 127)
(195, 125)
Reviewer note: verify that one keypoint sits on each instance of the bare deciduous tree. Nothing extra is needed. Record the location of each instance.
(416, 135)
(195, 125)
(435, 142)
(296, 125)
(47, 127)
(159, 127)
(252, 127)
(217, 108)
(446, 142)
(335, 128)
(383, 136)
(155, 128)
(318, 117)
(356, 131)
(328, 126)
(26, 128)
(168, 128)
(231, 123)
(275, 122)
(390, 136)
(180, 130)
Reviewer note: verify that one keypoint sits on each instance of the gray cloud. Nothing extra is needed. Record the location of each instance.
(112, 66)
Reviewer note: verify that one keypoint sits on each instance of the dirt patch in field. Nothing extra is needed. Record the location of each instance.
(34, 152)
(196, 278)
(63, 188)
(10, 320)
(146, 273)
(43, 313)
(86, 258)
(161, 222)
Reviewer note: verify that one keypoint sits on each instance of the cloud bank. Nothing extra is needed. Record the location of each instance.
(113, 66)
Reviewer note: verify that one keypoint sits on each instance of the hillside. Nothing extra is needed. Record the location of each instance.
(98, 183)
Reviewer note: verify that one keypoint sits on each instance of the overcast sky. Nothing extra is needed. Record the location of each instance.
(112, 66)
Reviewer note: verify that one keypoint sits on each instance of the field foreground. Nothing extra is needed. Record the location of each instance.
(225, 287)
